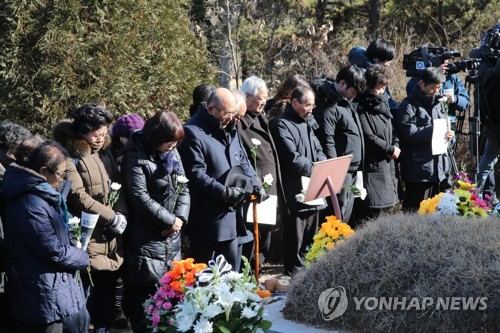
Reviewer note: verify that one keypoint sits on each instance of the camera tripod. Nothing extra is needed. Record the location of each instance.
(474, 132)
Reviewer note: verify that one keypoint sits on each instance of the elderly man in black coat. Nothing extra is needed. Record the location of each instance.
(208, 152)
(297, 148)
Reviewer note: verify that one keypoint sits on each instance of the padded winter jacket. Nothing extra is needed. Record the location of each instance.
(91, 173)
(154, 203)
(42, 264)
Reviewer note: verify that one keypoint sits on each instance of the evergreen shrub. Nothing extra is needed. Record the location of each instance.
(134, 56)
(407, 256)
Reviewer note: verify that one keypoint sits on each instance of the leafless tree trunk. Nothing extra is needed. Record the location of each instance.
(374, 18)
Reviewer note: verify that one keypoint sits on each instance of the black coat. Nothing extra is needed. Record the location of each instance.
(415, 125)
(339, 129)
(153, 205)
(257, 126)
(297, 148)
(208, 153)
(379, 169)
(41, 261)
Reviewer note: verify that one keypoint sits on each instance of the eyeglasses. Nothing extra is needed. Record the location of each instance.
(62, 175)
(232, 113)
(307, 106)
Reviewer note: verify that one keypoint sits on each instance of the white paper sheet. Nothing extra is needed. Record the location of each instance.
(266, 211)
(439, 142)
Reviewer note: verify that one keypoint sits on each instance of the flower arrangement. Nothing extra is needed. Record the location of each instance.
(462, 200)
(75, 231)
(160, 308)
(223, 301)
(114, 193)
(332, 231)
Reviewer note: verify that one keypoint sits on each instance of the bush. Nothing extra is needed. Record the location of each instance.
(133, 56)
(407, 256)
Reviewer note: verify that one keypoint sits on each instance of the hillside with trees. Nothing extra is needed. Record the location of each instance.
(138, 56)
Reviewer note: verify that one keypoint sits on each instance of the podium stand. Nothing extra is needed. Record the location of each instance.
(327, 179)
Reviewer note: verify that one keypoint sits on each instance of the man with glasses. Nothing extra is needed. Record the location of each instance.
(209, 150)
(255, 125)
(339, 129)
(297, 149)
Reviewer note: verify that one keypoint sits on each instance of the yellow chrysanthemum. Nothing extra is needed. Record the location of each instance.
(463, 196)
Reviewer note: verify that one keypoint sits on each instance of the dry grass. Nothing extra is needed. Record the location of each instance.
(407, 256)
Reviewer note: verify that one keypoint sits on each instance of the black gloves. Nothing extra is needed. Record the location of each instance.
(260, 193)
(233, 195)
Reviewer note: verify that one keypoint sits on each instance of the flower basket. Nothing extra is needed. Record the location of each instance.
(220, 300)
(332, 231)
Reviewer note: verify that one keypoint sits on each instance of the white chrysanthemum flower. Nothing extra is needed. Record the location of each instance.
(253, 297)
(268, 179)
(203, 326)
(74, 221)
(116, 186)
(248, 312)
(181, 179)
(256, 142)
(300, 197)
(211, 311)
(186, 316)
(363, 193)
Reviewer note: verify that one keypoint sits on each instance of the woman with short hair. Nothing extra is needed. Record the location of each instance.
(92, 169)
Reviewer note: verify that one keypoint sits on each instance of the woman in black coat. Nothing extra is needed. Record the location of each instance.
(381, 144)
(158, 202)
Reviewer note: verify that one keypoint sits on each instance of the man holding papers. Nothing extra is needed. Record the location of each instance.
(419, 120)
(298, 148)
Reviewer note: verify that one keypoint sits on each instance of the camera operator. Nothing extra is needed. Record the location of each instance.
(489, 104)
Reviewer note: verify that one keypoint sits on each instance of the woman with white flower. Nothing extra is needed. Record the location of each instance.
(158, 199)
(91, 170)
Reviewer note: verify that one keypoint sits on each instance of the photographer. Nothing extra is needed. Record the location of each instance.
(489, 103)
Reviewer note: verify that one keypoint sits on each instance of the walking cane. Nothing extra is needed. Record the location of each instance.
(256, 237)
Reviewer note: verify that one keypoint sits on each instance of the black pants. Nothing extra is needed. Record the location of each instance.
(135, 297)
(346, 197)
(101, 299)
(76, 323)
(298, 232)
(202, 251)
(415, 193)
(265, 233)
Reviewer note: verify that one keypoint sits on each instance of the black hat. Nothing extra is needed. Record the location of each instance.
(237, 178)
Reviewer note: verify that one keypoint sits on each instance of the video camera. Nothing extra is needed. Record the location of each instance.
(434, 56)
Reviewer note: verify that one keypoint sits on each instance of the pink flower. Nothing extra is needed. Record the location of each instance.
(167, 305)
(150, 309)
(155, 319)
(159, 303)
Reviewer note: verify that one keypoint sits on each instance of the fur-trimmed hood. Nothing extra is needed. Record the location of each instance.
(77, 146)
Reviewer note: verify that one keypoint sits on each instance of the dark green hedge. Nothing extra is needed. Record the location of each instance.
(133, 55)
